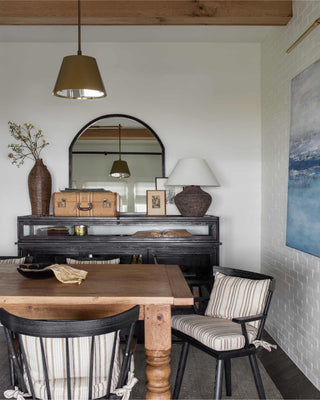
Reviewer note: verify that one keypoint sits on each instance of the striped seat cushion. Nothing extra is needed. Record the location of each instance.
(216, 333)
(13, 260)
(79, 350)
(72, 261)
(233, 297)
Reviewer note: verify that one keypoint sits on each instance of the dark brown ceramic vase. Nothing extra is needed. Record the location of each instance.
(193, 201)
(39, 183)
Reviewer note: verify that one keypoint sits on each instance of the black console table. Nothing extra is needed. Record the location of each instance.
(112, 237)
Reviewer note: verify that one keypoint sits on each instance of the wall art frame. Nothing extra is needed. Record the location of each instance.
(303, 209)
(171, 192)
(156, 203)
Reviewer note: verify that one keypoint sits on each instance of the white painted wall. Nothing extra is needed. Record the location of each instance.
(203, 100)
(294, 320)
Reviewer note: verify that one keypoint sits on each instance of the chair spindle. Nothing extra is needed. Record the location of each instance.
(68, 368)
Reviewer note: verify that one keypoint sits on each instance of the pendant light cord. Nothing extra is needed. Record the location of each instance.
(79, 29)
(119, 142)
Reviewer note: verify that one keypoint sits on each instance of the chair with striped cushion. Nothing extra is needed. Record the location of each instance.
(63, 360)
(231, 326)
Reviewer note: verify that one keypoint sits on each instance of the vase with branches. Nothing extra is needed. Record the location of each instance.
(30, 143)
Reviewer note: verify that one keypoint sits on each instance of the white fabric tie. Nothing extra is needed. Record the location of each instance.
(126, 389)
(15, 394)
(265, 345)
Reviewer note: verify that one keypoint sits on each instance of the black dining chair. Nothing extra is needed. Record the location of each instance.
(71, 359)
(230, 327)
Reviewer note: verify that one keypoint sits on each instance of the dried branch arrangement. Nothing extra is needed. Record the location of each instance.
(30, 143)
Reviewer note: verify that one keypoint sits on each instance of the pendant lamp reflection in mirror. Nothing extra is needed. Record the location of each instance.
(120, 167)
(79, 76)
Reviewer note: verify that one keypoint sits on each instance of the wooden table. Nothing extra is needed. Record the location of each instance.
(108, 289)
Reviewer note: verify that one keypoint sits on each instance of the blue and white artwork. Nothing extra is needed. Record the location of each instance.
(303, 217)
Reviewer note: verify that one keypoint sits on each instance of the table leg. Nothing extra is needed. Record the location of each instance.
(158, 346)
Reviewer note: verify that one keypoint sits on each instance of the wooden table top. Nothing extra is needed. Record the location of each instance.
(105, 284)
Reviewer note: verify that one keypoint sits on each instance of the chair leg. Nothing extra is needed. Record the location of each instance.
(257, 376)
(227, 370)
(11, 369)
(12, 376)
(181, 368)
(218, 380)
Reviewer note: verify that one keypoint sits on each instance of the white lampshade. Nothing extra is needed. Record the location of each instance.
(192, 171)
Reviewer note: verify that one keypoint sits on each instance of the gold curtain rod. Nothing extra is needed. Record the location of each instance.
(311, 27)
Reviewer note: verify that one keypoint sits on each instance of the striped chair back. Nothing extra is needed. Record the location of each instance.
(238, 293)
(70, 359)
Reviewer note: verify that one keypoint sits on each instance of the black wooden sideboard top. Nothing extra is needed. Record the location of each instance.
(141, 220)
(125, 218)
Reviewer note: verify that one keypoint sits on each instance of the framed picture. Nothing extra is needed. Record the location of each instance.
(171, 192)
(303, 209)
(156, 202)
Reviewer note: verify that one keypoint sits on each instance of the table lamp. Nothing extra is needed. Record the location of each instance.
(192, 173)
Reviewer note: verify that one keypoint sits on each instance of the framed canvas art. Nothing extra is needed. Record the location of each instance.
(303, 212)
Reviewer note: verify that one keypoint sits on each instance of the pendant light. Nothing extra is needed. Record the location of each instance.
(79, 76)
(120, 168)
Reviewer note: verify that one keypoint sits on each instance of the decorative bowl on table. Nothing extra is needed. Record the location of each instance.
(35, 271)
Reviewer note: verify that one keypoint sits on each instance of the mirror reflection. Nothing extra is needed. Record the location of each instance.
(95, 152)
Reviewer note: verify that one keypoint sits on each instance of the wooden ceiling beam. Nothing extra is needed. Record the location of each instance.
(113, 134)
(146, 12)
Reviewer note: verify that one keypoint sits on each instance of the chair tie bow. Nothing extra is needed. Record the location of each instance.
(15, 394)
(265, 345)
(124, 392)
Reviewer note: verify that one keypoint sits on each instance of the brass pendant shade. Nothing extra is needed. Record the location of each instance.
(79, 76)
(120, 167)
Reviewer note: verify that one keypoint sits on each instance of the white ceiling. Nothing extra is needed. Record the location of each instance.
(168, 34)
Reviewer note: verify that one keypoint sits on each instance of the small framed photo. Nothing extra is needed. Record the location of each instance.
(171, 192)
(156, 203)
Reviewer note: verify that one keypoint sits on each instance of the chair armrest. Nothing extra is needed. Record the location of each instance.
(244, 320)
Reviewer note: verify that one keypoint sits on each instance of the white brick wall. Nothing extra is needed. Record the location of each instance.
(294, 320)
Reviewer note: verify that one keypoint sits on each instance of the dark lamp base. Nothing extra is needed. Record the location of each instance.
(193, 201)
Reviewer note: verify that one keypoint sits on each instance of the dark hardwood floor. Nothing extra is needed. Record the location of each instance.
(288, 378)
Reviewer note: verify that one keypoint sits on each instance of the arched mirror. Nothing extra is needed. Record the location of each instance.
(95, 148)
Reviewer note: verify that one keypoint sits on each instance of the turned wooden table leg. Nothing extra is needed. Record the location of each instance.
(158, 347)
